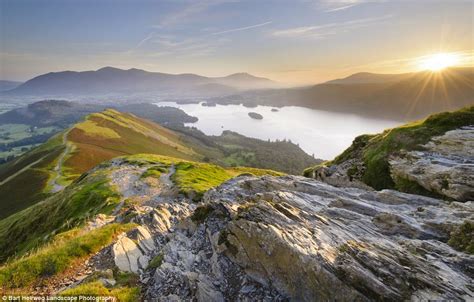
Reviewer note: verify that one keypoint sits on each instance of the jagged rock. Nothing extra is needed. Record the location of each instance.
(445, 166)
(341, 175)
(314, 241)
(132, 255)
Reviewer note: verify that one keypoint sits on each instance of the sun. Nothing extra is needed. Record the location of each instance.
(439, 61)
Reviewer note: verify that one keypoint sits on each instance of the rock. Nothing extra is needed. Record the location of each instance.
(207, 292)
(108, 282)
(126, 255)
(130, 256)
(445, 166)
(255, 115)
(310, 239)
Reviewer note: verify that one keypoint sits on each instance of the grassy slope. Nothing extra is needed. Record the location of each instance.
(232, 149)
(375, 150)
(54, 258)
(34, 225)
(26, 188)
(110, 134)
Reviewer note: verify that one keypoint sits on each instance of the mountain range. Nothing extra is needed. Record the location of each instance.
(403, 97)
(114, 81)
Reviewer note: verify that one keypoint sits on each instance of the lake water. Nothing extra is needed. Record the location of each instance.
(322, 133)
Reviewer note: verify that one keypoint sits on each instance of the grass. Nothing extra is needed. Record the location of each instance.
(463, 237)
(156, 261)
(91, 128)
(154, 171)
(96, 288)
(57, 256)
(408, 137)
(33, 226)
(201, 213)
(194, 179)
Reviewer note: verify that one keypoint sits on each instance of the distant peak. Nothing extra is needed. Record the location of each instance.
(109, 68)
(241, 74)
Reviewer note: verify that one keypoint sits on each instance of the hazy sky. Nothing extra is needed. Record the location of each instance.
(294, 41)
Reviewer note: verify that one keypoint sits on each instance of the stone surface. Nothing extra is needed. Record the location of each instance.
(310, 239)
(445, 166)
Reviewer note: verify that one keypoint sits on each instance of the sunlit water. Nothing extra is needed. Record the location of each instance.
(322, 133)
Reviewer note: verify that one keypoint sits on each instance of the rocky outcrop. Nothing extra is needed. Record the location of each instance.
(313, 241)
(445, 166)
(290, 238)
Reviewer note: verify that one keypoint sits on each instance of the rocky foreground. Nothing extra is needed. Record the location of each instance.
(290, 238)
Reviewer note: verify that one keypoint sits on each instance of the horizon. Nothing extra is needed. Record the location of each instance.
(293, 43)
(247, 73)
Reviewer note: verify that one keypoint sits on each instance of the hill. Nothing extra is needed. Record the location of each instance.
(430, 157)
(403, 97)
(24, 128)
(114, 81)
(367, 77)
(103, 136)
(8, 85)
(72, 152)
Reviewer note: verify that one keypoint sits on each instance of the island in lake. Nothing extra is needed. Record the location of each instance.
(256, 116)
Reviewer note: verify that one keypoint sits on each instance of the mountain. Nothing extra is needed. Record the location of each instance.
(401, 97)
(153, 228)
(108, 134)
(8, 85)
(431, 157)
(114, 81)
(367, 77)
(64, 113)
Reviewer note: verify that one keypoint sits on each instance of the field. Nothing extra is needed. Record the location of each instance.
(16, 139)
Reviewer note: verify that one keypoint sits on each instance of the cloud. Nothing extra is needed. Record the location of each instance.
(190, 9)
(241, 28)
(146, 39)
(340, 8)
(339, 5)
(321, 31)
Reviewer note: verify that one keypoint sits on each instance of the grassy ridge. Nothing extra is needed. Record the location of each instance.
(110, 134)
(192, 178)
(375, 150)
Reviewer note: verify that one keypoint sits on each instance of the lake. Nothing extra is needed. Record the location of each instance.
(322, 133)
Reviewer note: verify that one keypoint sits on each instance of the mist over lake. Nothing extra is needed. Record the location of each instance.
(322, 133)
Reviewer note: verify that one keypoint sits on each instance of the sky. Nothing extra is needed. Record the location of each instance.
(291, 41)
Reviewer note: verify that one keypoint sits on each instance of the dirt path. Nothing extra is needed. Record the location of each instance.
(54, 182)
(21, 171)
